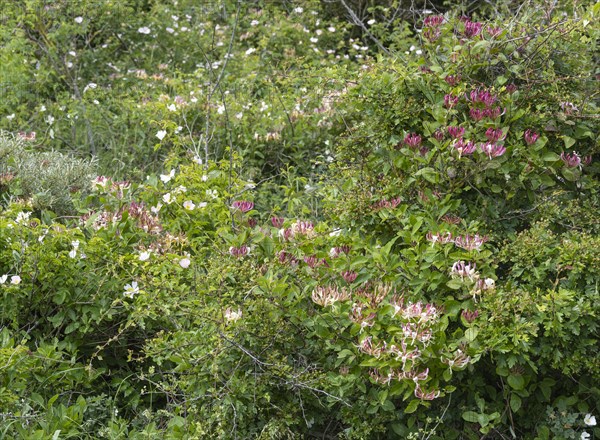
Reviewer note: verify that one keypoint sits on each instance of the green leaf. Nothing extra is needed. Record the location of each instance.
(515, 402)
(455, 284)
(516, 382)
(412, 406)
(428, 174)
(471, 334)
(471, 416)
(569, 142)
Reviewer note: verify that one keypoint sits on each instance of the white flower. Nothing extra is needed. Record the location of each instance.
(250, 51)
(11, 117)
(75, 244)
(231, 315)
(212, 193)
(331, 29)
(585, 436)
(419, 52)
(78, 20)
(335, 232)
(90, 86)
(161, 134)
(3, 279)
(254, 23)
(50, 119)
(185, 262)
(314, 40)
(156, 209)
(145, 255)
(589, 420)
(204, 177)
(131, 289)
(178, 129)
(197, 159)
(167, 198)
(22, 217)
(43, 108)
(239, 115)
(189, 205)
(167, 177)
(144, 30)
(298, 10)
(69, 65)
(15, 279)
(180, 189)
(202, 205)
(170, 30)
(73, 253)
(221, 109)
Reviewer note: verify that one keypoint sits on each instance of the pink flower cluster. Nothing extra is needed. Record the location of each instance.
(464, 147)
(242, 205)
(431, 26)
(239, 252)
(472, 28)
(450, 100)
(530, 137)
(492, 150)
(470, 242)
(392, 203)
(327, 296)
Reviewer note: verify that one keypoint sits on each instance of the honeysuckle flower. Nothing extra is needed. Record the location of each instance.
(456, 132)
(167, 177)
(15, 279)
(450, 100)
(239, 251)
(412, 140)
(254, 23)
(101, 181)
(492, 150)
(170, 30)
(22, 217)
(472, 29)
(11, 117)
(231, 315)
(463, 270)
(144, 30)
(433, 21)
(156, 209)
(470, 242)
(3, 279)
(494, 135)
(198, 160)
(452, 80)
(530, 137)
(464, 148)
(131, 289)
(242, 205)
(78, 20)
(73, 253)
(571, 160)
(349, 276)
(589, 420)
(494, 31)
(189, 205)
(144, 256)
(161, 134)
(469, 315)
(185, 262)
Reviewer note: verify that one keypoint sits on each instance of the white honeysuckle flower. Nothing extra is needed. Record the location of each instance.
(15, 279)
(75, 244)
(90, 86)
(170, 30)
(50, 119)
(78, 20)
(314, 40)
(371, 21)
(331, 29)
(254, 23)
(43, 108)
(197, 159)
(185, 262)
(589, 420)
(172, 107)
(189, 205)
(3, 279)
(156, 209)
(22, 217)
(131, 289)
(180, 189)
(161, 134)
(167, 177)
(144, 30)
(239, 115)
(11, 117)
(145, 255)
(72, 53)
(167, 198)
(73, 253)
(221, 109)
(231, 315)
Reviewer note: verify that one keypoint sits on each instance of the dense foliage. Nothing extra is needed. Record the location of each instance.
(263, 220)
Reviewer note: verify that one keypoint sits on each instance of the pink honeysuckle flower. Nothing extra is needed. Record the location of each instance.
(511, 88)
(494, 135)
(277, 221)
(239, 251)
(312, 261)
(470, 316)
(464, 270)
(412, 140)
(349, 276)
(470, 242)
(242, 205)
(423, 395)
(492, 150)
(464, 147)
(571, 160)
(450, 100)
(433, 21)
(494, 31)
(530, 136)
(493, 113)
(456, 132)
(477, 114)
(482, 96)
(452, 80)
(472, 29)
(438, 135)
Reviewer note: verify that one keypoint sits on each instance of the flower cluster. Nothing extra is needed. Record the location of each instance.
(242, 205)
(239, 252)
(382, 204)
(329, 295)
